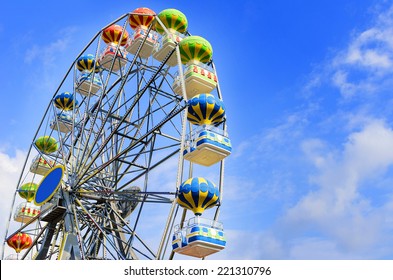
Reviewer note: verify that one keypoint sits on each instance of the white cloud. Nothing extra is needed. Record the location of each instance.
(334, 217)
(340, 216)
(317, 249)
(372, 48)
(349, 87)
(10, 169)
(248, 245)
(313, 149)
(364, 66)
(337, 209)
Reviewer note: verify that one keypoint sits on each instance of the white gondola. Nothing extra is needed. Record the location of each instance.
(26, 211)
(166, 44)
(200, 238)
(106, 58)
(207, 146)
(198, 78)
(62, 122)
(41, 165)
(138, 37)
(88, 83)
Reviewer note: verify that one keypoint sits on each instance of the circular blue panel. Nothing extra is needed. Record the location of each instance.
(49, 185)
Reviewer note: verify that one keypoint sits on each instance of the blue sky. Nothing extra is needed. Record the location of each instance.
(307, 87)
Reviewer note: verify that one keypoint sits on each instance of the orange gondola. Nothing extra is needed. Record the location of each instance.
(20, 241)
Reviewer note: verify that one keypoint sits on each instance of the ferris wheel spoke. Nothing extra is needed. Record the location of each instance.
(144, 197)
(91, 116)
(114, 223)
(122, 82)
(131, 158)
(90, 245)
(94, 239)
(135, 101)
(133, 138)
(173, 113)
(117, 227)
(152, 167)
(92, 223)
(162, 107)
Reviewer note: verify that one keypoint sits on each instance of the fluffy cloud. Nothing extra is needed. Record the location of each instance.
(247, 245)
(365, 64)
(338, 215)
(338, 210)
(363, 51)
(10, 169)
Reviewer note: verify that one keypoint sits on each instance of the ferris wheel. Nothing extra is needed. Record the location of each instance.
(117, 168)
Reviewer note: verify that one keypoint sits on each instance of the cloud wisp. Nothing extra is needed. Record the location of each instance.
(364, 66)
(45, 58)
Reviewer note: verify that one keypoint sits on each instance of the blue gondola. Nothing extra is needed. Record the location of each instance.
(88, 83)
(207, 146)
(200, 238)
